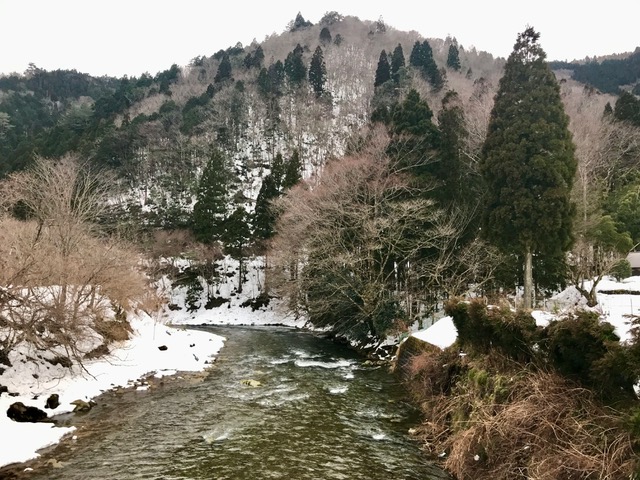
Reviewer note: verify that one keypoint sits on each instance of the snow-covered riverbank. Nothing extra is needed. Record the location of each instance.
(32, 382)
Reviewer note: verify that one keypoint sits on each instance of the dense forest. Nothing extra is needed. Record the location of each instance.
(380, 173)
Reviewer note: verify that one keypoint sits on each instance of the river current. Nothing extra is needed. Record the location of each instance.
(276, 404)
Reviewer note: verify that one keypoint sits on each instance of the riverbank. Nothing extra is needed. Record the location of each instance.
(502, 413)
(154, 349)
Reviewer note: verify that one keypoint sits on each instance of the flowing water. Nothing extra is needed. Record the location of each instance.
(317, 413)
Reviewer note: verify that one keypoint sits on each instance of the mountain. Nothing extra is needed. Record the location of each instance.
(609, 75)
(157, 131)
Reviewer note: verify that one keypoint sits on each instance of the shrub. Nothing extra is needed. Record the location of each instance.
(481, 328)
(585, 349)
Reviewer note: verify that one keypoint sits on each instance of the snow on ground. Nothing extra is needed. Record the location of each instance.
(187, 350)
(441, 334)
(613, 308)
(34, 382)
(231, 312)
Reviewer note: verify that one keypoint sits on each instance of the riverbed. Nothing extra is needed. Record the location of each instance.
(277, 403)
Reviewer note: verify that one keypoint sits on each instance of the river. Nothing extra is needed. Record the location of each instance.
(317, 413)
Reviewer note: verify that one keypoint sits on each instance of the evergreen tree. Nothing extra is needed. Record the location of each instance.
(415, 59)
(277, 171)
(453, 58)
(300, 23)
(317, 72)
(258, 57)
(528, 161)
(325, 36)
(422, 59)
(282, 178)
(397, 62)
(212, 197)
(627, 108)
(264, 82)
(224, 70)
(264, 218)
(276, 76)
(235, 238)
(450, 165)
(415, 138)
(292, 171)
(383, 72)
(295, 68)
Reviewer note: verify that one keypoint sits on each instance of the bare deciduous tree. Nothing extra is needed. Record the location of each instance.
(359, 252)
(63, 288)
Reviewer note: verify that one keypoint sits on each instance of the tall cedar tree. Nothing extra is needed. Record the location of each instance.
(383, 72)
(210, 209)
(414, 141)
(292, 171)
(528, 161)
(397, 62)
(282, 178)
(235, 238)
(317, 72)
(295, 68)
(453, 58)
(422, 58)
(449, 169)
(224, 70)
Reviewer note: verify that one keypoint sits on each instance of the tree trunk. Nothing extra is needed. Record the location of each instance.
(528, 279)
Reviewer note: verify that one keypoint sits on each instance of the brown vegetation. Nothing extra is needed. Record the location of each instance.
(495, 419)
(63, 288)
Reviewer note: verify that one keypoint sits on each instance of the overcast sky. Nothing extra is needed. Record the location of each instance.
(118, 37)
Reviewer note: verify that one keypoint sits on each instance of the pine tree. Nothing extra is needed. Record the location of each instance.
(528, 161)
(383, 72)
(453, 58)
(224, 70)
(210, 209)
(397, 62)
(317, 72)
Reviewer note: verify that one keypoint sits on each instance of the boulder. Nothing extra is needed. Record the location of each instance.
(19, 412)
(162, 348)
(53, 401)
(82, 406)
(250, 383)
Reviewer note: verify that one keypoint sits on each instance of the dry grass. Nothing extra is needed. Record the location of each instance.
(513, 423)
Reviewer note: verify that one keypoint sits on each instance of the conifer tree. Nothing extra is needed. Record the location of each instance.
(422, 59)
(224, 70)
(383, 71)
(210, 209)
(325, 36)
(264, 217)
(295, 68)
(453, 58)
(317, 72)
(415, 138)
(397, 62)
(235, 238)
(528, 161)
(292, 171)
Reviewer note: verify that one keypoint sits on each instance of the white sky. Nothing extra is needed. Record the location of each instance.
(118, 37)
